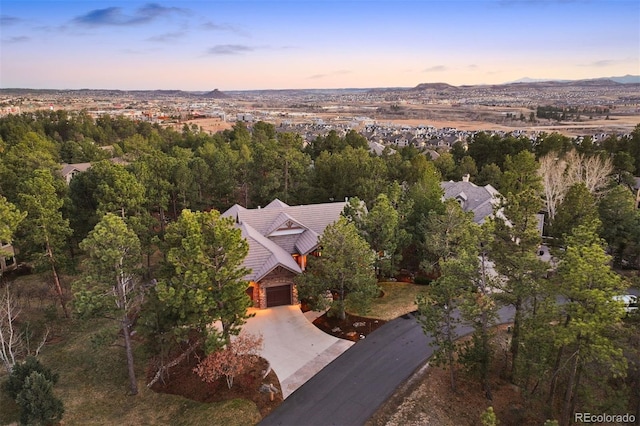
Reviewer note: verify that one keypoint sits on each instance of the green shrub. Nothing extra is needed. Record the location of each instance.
(21, 371)
(38, 403)
(422, 280)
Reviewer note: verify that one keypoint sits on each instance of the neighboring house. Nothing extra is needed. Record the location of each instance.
(7, 257)
(481, 200)
(378, 148)
(434, 155)
(280, 238)
(70, 170)
(636, 191)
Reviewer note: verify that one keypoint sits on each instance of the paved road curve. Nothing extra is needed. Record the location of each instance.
(350, 389)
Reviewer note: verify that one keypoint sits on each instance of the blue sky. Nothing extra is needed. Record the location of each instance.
(265, 44)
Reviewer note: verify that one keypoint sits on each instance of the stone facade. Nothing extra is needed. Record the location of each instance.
(277, 277)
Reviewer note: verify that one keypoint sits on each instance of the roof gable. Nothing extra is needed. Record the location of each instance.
(265, 255)
(310, 216)
(481, 200)
(284, 224)
(276, 204)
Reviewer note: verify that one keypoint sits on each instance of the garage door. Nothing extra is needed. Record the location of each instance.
(278, 296)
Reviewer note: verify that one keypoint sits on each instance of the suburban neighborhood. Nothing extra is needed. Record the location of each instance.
(295, 255)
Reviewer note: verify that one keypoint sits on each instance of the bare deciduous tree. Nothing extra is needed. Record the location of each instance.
(592, 170)
(11, 345)
(230, 361)
(15, 344)
(561, 173)
(552, 171)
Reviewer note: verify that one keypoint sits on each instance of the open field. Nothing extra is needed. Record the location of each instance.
(493, 118)
(211, 125)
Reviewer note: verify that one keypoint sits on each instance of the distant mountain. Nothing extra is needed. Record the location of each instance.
(434, 86)
(626, 79)
(535, 80)
(215, 94)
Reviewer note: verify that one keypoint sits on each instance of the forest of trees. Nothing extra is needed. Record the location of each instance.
(165, 192)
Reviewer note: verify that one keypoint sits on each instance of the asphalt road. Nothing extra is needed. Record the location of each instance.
(351, 388)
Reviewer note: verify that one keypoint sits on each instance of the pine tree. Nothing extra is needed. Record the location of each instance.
(38, 403)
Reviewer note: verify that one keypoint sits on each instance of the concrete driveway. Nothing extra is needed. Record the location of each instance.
(350, 390)
(295, 348)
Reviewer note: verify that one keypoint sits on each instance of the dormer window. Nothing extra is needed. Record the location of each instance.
(461, 198)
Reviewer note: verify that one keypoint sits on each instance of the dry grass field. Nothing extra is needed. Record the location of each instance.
(493, 118)
(211, 125)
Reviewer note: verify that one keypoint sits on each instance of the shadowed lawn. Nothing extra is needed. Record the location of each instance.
(398, 299)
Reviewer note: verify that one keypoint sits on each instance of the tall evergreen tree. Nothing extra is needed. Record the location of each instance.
(112, 285)
(588, 283)
(621, 220)
(44, 232)
(203, 278)
(453, 249)
(517, 238)
(345, 269)
(380, 227)
(577, 208)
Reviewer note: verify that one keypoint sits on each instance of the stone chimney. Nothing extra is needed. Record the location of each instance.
(466, 177)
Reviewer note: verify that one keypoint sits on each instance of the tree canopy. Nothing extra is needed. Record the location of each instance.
(203, 279)
(342, 276)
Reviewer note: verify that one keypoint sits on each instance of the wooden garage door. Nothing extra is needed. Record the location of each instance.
(278, 296)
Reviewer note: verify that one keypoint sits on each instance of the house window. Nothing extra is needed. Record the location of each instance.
(300, 260)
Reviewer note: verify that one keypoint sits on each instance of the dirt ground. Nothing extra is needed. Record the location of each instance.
(184, 382)
(211, 125)
(351, 328)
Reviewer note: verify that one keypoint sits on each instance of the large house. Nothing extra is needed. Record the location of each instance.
(280, 238)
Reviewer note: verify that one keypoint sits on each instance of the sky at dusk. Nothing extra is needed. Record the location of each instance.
(266, 44)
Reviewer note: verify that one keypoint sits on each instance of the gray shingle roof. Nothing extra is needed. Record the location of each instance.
(79, 167)
(270, 243)
(312, 216)
(283, 220)
(276, 204)
(307, 242)
(264, 255)
(481, 200)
